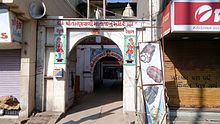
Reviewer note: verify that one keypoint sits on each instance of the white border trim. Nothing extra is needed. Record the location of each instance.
(172, 16)
(197, 28)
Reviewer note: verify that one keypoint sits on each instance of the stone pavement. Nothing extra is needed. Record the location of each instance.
(105, 107)
(105, 114)
(8, 119)
(102, 107)
(112, 114)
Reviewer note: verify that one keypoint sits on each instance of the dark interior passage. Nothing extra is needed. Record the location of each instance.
(108, 73)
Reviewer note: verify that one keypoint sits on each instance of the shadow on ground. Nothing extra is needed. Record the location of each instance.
(108, 92)
(93, 117)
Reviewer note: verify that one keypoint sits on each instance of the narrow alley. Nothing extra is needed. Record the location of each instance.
(104, 106)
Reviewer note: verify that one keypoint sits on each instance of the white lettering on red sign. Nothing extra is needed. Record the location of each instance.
(196, 16)
(129, 31)
(217, 16)
(204, 13)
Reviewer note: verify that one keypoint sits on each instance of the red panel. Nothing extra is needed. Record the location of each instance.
(166, 21)
(196, 13)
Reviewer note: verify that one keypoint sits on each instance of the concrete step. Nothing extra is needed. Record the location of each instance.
(45, 118)
(194, 116)
(193, 122)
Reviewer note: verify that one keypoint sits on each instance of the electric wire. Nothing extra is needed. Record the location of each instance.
(73, 8)
(102, 9)
(120, 15)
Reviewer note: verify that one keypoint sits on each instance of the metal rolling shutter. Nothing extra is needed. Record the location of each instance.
(10, 72)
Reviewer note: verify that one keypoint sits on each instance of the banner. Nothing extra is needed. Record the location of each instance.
(154, 104)
(151, 64)
(130, 47)
(152, 80)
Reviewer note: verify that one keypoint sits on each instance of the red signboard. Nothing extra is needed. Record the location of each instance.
(166, 21)
(196, 16)
(197, 13)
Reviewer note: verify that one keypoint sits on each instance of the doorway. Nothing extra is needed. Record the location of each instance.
(108, 73)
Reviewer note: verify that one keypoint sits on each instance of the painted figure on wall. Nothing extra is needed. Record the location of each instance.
(59, 49)
(130, 50)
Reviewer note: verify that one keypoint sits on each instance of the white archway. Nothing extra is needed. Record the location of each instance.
(117, 36)
(103, 54)
(73, 31)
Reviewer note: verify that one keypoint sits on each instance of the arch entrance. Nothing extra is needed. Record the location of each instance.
(72, 69)
(94, 65)
(108, 71)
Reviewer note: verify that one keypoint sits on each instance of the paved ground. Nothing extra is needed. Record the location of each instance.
(105, 107)
(6, 120)
(102, 107)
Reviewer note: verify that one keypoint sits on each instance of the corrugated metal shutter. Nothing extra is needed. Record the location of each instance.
(10, 72)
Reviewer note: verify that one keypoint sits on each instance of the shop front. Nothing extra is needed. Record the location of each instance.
(10, 64)
(191, 42)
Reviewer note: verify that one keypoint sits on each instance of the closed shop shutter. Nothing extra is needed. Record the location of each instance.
(9, 72)
(192, 70)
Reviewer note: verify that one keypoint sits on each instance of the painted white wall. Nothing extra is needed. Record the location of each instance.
(115, 35)
(87, 77)
(28, 64)
(49, 85)
(60, 91)
(71, 73)
(79, 65)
